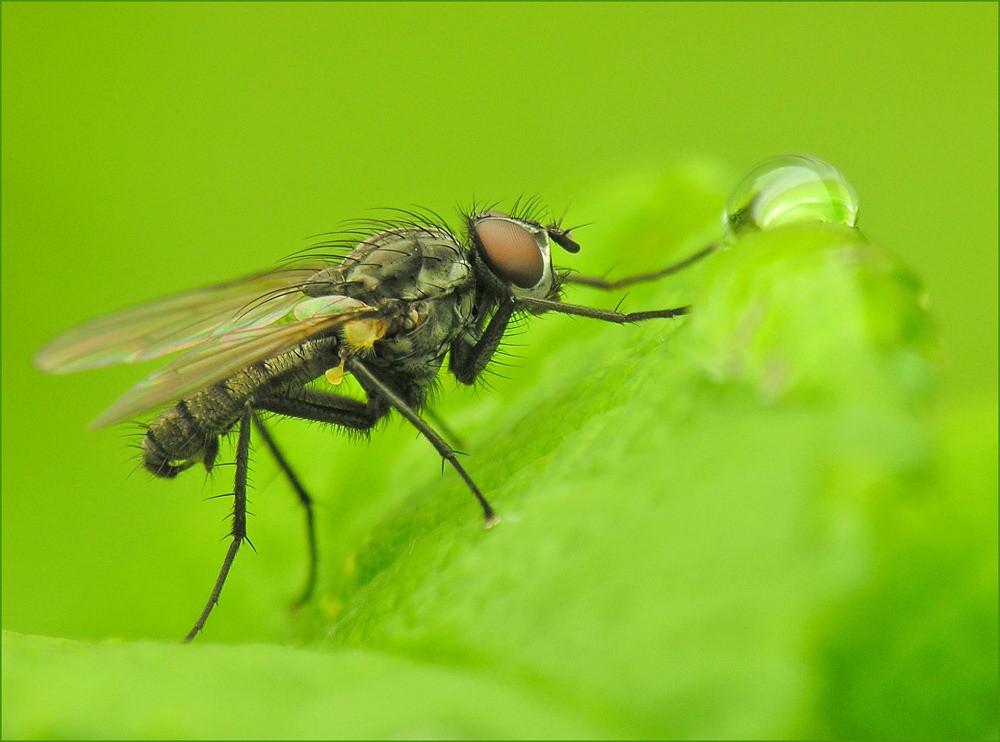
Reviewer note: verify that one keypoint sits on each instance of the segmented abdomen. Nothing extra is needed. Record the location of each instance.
(189, 432)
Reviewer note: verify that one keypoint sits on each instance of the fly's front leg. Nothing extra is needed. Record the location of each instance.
(239, 515)
(600, 283)
(376, 387)
(606, 315)
(466, 360)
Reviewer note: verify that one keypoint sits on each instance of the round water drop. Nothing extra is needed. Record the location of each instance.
(789, 189)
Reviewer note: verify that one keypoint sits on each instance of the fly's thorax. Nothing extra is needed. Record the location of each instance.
(422, 279)
(408, 264)
(422, 334)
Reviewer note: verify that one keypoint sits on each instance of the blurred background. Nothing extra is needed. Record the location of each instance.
(152, 148)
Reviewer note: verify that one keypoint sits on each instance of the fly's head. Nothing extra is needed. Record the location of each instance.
(512, 256)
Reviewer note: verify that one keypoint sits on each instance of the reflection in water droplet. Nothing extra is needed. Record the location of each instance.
(789, 189)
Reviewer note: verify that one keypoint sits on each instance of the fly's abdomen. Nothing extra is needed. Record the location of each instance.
(188, 433)
(185, 435)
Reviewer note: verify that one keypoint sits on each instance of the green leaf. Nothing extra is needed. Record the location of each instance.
(62, 689)
(752, 521)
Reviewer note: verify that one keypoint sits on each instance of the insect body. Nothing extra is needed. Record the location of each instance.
(399, 299)
(388, 312)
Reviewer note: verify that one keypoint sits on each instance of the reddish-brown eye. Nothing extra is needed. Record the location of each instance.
(511, 251)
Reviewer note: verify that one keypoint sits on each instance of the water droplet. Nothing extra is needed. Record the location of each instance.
(789, 189)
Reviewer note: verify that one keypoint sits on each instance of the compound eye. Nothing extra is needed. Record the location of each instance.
(511, 251)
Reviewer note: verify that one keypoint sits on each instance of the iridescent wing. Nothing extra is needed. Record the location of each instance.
(221, 356)
(178, 322)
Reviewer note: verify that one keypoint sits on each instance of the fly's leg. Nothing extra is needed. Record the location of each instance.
(606, 315)
(325, 407)
(548, 305)
(376, 387)
(239, 515)
(343, 411)
(312, 404)
(446, 431)
(600, 283)
(307, 504)
(467, 361)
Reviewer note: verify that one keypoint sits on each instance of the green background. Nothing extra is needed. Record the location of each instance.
(149, 149)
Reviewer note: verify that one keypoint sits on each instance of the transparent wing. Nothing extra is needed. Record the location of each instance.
(219, 357)
(178, 322)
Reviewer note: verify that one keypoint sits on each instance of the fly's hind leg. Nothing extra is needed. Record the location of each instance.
(326, 407)
(307, 504)
(238, 533)
(312, 404)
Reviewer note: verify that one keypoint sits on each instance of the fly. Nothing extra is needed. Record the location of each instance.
(407, 294)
